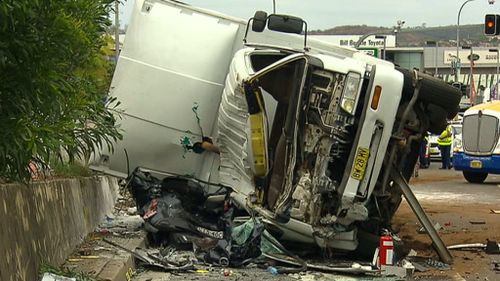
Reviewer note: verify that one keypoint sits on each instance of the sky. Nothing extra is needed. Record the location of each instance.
(324, 14)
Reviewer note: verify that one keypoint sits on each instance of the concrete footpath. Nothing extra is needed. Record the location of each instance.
(106, 262)
(45, 221)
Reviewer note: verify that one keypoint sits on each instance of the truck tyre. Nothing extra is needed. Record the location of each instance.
(259, 21)
(474, 177)
(433, 91)
(437, 118)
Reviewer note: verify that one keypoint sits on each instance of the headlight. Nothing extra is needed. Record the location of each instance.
(497, 148)
(457, 145)
(350, 92)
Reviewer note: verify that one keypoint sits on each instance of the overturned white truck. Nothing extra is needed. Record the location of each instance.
(317, 139)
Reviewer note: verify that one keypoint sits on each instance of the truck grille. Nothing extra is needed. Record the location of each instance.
(480, 133)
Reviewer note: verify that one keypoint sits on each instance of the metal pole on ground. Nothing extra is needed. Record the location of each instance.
(439, 246)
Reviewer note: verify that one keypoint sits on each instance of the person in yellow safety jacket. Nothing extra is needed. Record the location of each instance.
(423, 161)
(444, 141)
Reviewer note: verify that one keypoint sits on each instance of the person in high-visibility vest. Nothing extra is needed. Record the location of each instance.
(444, 141)
(424, 163)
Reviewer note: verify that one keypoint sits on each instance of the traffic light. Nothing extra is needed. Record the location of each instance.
(491, 25)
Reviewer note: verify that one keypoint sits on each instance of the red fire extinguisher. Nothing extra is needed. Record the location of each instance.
(386, 250)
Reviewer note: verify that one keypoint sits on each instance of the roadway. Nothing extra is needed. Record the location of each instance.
(434, 184)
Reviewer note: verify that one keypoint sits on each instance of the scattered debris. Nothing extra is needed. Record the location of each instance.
(419, 266)
(132, 211)
(477, 222)
(272, 270)
(438, 265)
(492, 248)
(496, 265)
(176, 209)
(437, 227)
(391, 270)
(412, 253)
(226, 272)
(467, 246)
(54, 273)
(152, 260)
(53, 277)
(423, 264)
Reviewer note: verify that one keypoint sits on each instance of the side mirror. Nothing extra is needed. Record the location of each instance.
(279, 23)
(285, 23)
(259, 21)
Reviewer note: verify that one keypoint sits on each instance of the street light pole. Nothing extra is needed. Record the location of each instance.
(385, 38)
(397, 29)
(471, 89)
(436, 60)
(435, 44)
(117, 31)
(457, 72)
(498, 65)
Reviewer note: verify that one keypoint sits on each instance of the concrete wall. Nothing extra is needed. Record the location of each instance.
(44, 221)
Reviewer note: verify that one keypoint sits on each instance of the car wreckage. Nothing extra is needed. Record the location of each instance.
(316, 139)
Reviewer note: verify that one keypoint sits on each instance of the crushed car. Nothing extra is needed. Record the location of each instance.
(316, 139)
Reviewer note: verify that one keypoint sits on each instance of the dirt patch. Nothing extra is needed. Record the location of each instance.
(457, 228)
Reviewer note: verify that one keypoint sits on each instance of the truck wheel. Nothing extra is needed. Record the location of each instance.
(433, 91)
(437, 117)
(474, 177)
(259, 21)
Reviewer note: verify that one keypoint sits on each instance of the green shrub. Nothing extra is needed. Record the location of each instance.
(54, 79)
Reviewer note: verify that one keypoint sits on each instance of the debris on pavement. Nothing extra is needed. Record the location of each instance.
(437, 227)
(132, 211)
(496, 265)
(423, 264)
(495, 211)
(492, 248)
(477, 222)
(53, 277)
(467, 246)
(391, 270)
(153, 260)
(177, 212)
(438, 265)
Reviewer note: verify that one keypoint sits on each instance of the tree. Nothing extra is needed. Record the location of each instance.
(53, 82)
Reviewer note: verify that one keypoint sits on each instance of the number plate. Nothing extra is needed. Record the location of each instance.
(434, 150)
(359, 167)
(476, 164)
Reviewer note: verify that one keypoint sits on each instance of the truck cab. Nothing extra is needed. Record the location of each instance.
(309, 134)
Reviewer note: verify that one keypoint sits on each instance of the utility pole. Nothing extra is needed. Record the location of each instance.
(436, 60)
(472, 91)
(435, 44)
(385, 47)
(457, 71)
(498, 66)
(117, 31)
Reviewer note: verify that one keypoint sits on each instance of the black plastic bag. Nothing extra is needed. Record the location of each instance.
(143, 187)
